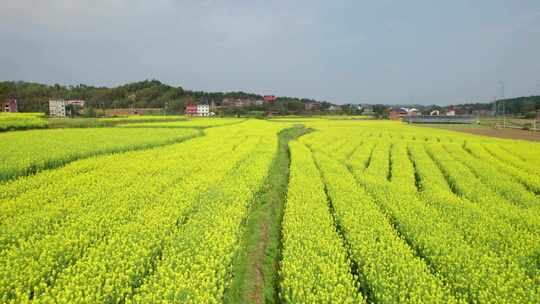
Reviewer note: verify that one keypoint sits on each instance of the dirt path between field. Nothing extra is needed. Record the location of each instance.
(492, 132)
(256, 294)
(255, 270)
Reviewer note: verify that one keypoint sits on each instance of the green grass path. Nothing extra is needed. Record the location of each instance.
(255, 270)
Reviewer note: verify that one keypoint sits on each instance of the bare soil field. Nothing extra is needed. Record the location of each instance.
(489, 131)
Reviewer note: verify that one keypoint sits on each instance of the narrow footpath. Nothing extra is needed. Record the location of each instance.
(255, 270)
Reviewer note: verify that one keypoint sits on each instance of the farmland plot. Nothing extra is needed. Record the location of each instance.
(30, 151)
(439, 203)
(374, 212)
(21, 121)
(67, 245)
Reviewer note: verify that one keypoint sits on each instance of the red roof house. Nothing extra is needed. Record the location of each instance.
(10, 105)
(191, 109)
(394, 115)
(269, 98)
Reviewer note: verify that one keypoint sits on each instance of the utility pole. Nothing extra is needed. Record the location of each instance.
(501, 83)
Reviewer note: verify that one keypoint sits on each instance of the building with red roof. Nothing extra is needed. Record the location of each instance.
(10, 105)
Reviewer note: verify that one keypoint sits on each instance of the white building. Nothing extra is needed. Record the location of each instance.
(368, 110)
(334, 108)
(412, 112)
(57, 108)
(203, 110)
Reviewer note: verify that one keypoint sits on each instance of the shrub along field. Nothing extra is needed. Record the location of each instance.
(253, 211)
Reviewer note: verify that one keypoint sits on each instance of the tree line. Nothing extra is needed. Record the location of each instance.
(34, 97)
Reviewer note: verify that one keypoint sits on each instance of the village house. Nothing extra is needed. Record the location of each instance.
(10, 105)
(367, 110)
(269, 98)
(334, 108)
(203, 110)
(76, 102)
(237, 102)
(57, 108)
(451, 112)
(413, 112)
(399, 113)
(133, 111)
(191, 109)
(312, 106)
(394, 115)
(198, 110)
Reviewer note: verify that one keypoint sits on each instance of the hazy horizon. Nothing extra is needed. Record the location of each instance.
(388, 52)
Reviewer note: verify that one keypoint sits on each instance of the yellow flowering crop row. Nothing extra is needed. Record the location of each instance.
(315, 267)
(198, 122)
(389, 270)
(484, 153)
(197, 257)
(30, 151)
(375, 212)
(489, 229)
(465, 256)
(465, 182)
(19, 121)
(63, 245)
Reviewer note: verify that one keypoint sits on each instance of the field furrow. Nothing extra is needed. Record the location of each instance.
(383, 258)
(464, 183)
(486, 229)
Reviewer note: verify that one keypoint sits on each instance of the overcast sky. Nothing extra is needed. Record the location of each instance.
(342, 51)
